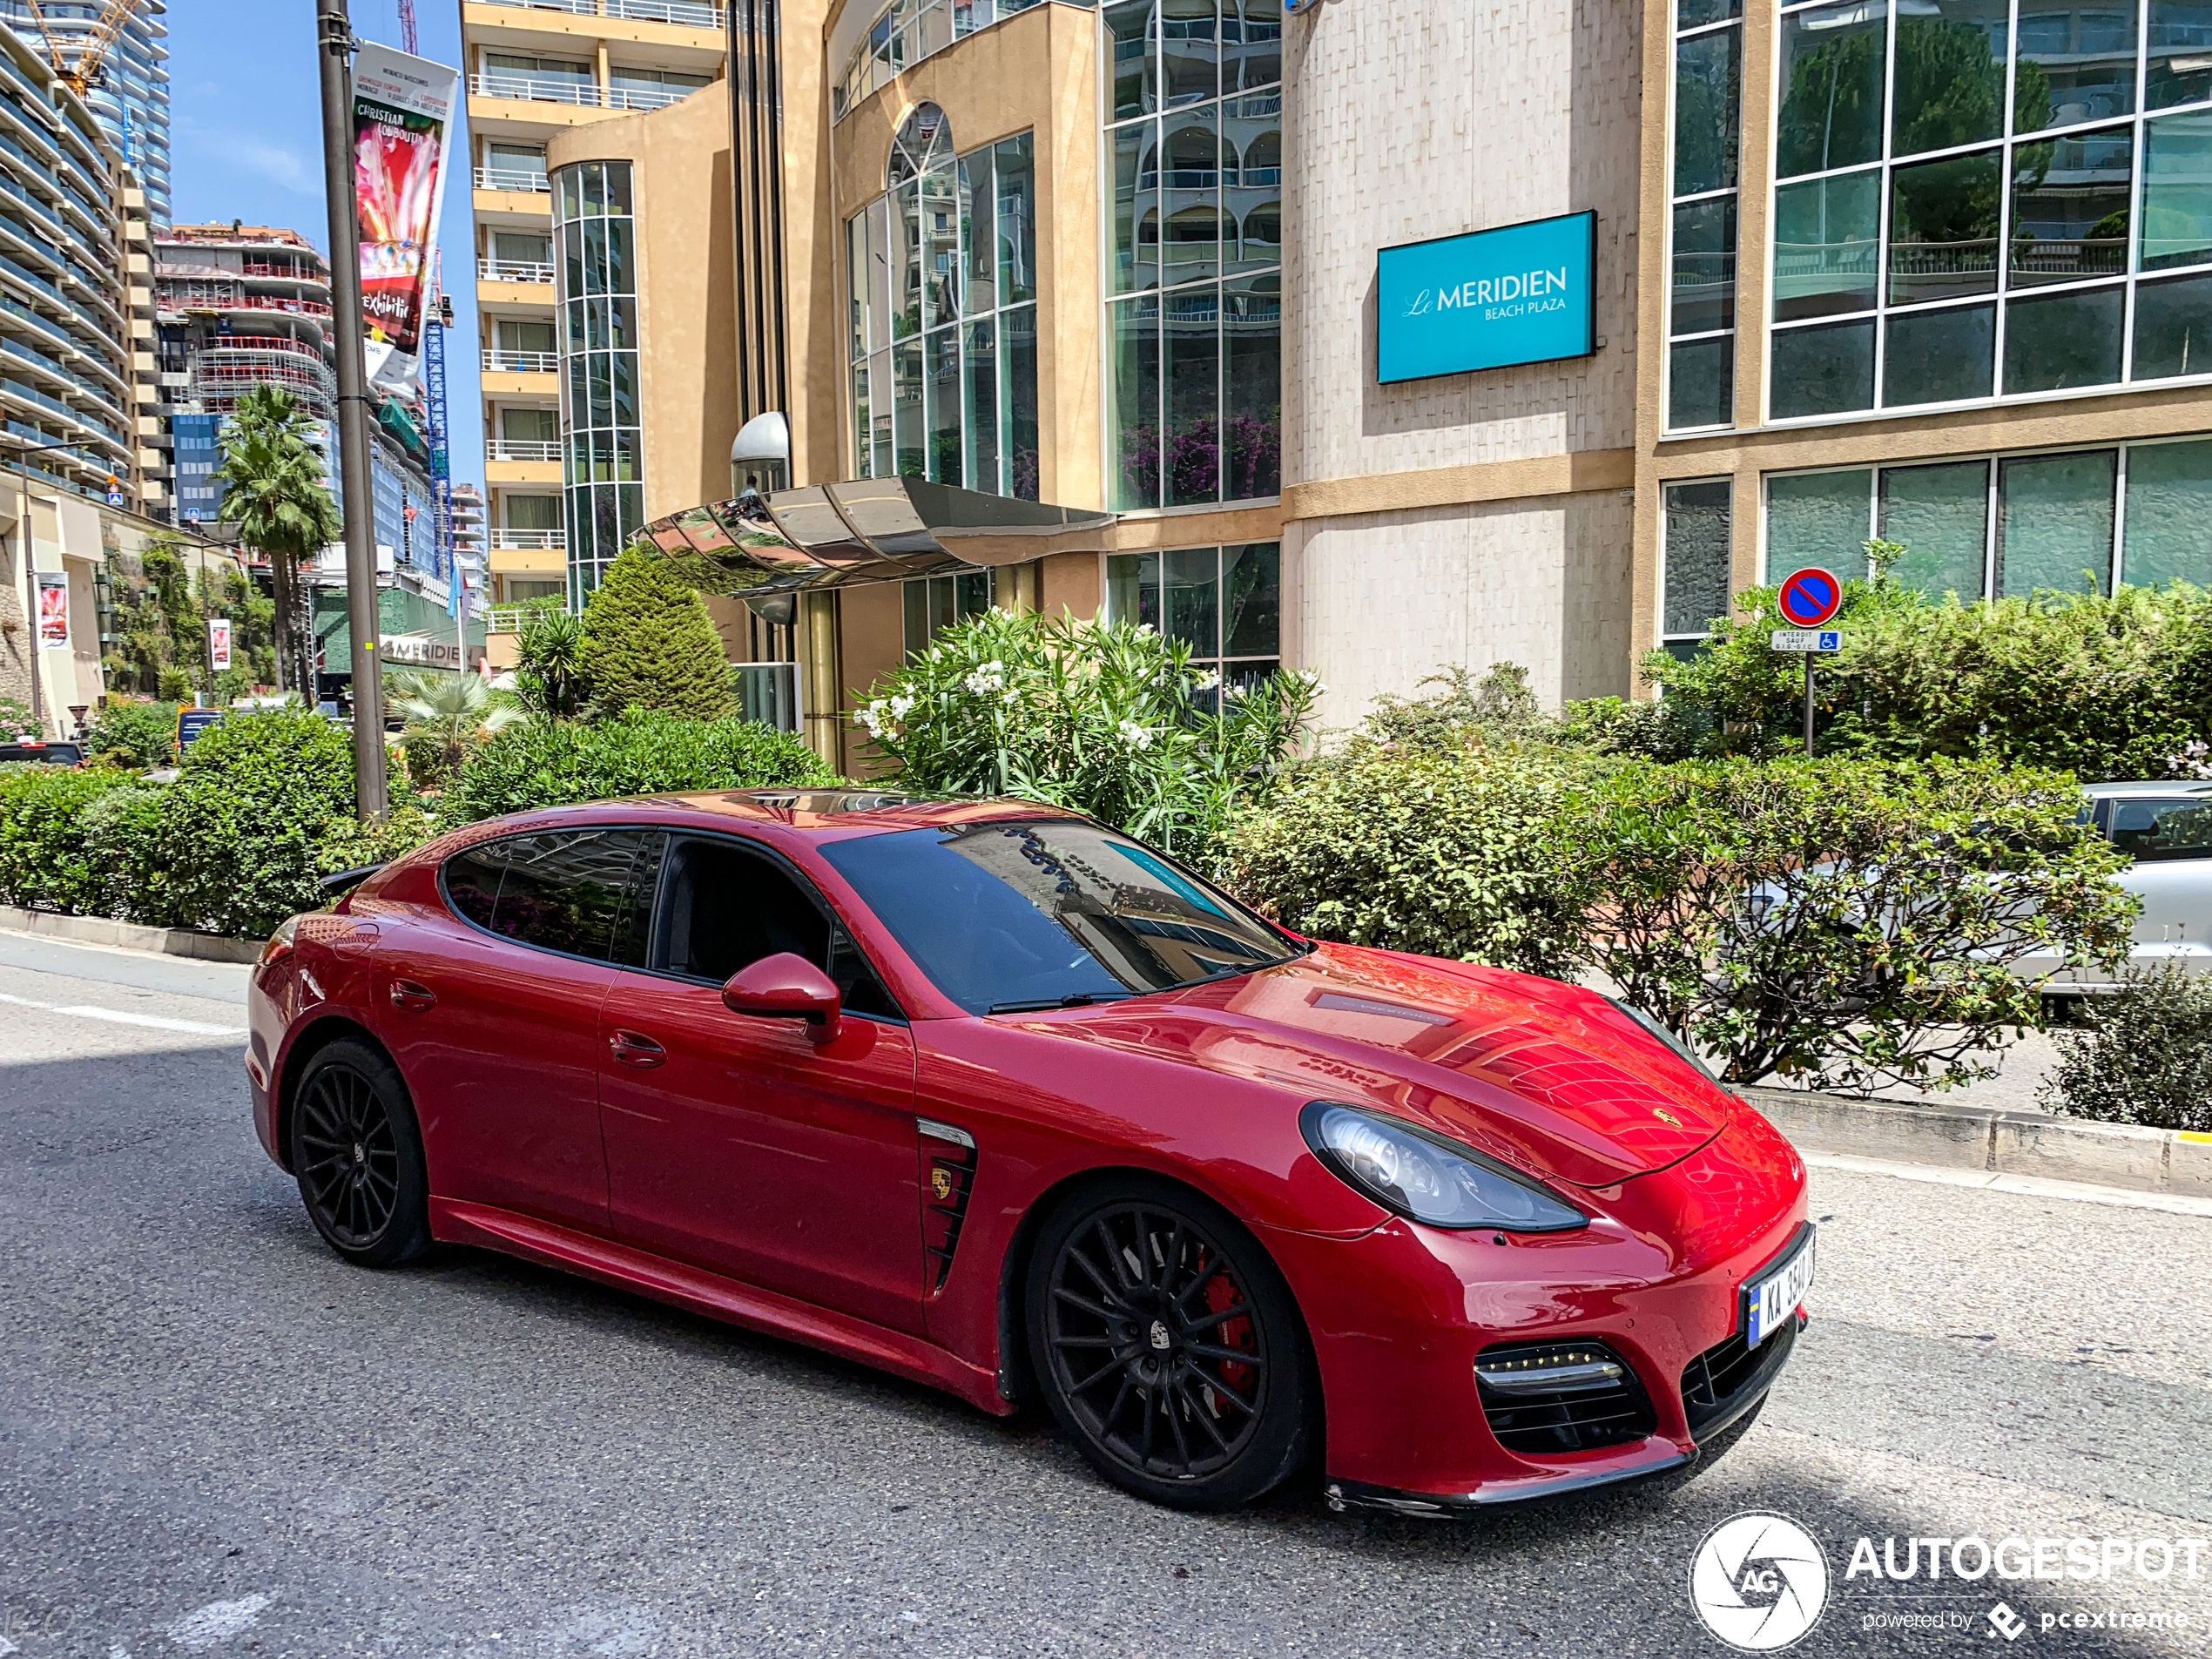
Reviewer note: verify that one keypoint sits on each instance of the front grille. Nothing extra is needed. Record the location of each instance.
(1530, 1419)
(1720, 1379)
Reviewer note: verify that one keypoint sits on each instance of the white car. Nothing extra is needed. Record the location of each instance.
(2168, 826)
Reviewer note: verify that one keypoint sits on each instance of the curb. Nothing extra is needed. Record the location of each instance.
(2006, 1142)
(129, 935)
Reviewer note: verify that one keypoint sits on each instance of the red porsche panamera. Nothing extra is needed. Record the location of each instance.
(994, 1098)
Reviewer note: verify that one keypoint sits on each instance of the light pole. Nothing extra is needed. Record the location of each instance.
(30, 580)
(334, 40)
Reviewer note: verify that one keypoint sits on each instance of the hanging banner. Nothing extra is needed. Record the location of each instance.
(403, 110)
(53, 612)
(218, 642)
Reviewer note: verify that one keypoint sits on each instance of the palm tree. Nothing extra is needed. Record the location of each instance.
(550, 677)
(273, 492)
(449, 713)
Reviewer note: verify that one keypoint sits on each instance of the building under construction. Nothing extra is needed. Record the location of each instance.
(114, 54)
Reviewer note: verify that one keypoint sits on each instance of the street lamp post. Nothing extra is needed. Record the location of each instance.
(22, 451)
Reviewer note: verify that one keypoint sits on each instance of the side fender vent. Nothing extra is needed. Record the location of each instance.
(947, 1176)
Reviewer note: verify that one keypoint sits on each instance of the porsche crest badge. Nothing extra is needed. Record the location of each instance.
(941, 1183)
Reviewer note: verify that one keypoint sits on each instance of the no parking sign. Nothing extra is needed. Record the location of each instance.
(1810, 597)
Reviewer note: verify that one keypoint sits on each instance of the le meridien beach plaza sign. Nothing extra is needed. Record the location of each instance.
(1517, 295)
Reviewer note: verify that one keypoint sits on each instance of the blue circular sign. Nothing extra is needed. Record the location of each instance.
(1810, 597)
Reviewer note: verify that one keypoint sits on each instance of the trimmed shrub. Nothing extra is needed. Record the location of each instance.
(1455, 854)
(546, 763)
(649, 643)
(122, 837)
(2145, 1057)
(239, 829)
(134, 733)
(347, 844)
(43, 861)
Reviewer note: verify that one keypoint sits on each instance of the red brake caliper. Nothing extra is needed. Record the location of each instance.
(1221, 1293)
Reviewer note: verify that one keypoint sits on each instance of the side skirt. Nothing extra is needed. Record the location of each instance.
(718, 1297)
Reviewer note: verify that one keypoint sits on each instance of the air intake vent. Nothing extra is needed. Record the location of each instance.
(948, 1174)
(1543, 1397)
(1719, 1383)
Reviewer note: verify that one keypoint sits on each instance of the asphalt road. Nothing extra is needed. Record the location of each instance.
(215, 1438)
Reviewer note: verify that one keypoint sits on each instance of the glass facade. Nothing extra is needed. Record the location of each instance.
(934, 602)
(595, 287)
(1702, 187)
(943, 291)
(1979, 198)
(1194, 278)
(1988, 525)
(905, 32)
(1224, 602)
(1694, 532)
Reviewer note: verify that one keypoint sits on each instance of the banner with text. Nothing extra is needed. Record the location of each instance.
(403, 110)
(1517, 295)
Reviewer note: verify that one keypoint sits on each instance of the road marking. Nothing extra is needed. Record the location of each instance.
(217, 1622)
(117, 1016)
(2035, 1186)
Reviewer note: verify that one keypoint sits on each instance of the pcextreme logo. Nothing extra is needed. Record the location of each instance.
(1758, 1582)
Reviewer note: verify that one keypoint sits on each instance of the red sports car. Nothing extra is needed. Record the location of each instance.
(995, 1098)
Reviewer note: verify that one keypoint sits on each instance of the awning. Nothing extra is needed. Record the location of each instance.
(866, 530)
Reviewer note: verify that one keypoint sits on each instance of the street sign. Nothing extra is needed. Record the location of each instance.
(1814, 639)
(1809, 598)
(192, 722)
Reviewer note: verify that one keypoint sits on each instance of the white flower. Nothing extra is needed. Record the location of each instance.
(1136, 735)
(1145, 631)
(1208, 680)
(902, 706)
(871, 717)
(990, 677)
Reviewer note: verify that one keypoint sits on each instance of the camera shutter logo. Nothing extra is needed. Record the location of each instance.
(1758, 1582)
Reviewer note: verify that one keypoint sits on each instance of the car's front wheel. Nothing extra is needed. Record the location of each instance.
(1169, 1346)
(358, 1156)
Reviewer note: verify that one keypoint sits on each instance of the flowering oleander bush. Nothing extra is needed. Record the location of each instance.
(1110, 719)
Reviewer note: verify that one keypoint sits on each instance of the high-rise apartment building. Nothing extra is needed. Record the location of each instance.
(128, 93)
(536, 69)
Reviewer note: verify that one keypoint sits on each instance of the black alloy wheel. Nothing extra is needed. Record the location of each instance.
(1169, 1347)
(358, 1156)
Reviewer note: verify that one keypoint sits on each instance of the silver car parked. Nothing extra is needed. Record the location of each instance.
(2167, 827)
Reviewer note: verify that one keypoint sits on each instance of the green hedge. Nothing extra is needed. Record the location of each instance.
(44, 862)
(546, 763)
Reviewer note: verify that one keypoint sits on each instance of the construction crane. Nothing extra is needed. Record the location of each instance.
(407, 28)
(81, 70)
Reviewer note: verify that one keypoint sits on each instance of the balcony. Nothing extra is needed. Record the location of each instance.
(521, 362)
(507, 540)
(523, 449)
(490, 270)
(689, 14)
(647, 97)
(512, 178)
(531, 90)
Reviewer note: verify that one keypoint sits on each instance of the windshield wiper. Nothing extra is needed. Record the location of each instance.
(1080, 1000)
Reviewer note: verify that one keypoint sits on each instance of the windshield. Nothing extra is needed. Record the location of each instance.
(1048, 913)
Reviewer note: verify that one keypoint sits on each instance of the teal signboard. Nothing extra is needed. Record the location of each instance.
(1517, 295)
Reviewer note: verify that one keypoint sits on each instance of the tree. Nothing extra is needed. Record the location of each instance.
(549, 677)
(273, 492)
(447, 716)
(649, 644)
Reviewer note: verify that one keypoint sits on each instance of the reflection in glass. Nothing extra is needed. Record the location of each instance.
(1018, 420)
(1190, 31)
(1950, 76)
(978, 197)
(1252, 43)
(939, 245)
(1136, 393)
(980, 398)
(1832, 88)
(1826, 241)
(1194, 396)
(1707, 93)
(1015, 162)
(2054, 521)
(2070, 206)
(941, 373)
(2177, 191)
(1703, 295)
(906, 259)
(2174, 328)
(2169, 514)
(1137, 67)
(1695, 552)
(1818, 518)
(1943, 228)
(1689, 14)
(1941, 514)
(1938, 356)
(2059, 341)
(1251, 159)
(2072, 63)
(2180, 50)
(1252, 414)
(861, 419)
(1136, 203)
(1824, 370)
(1191, 196)
(1193, 591)
(1251, 599)
(1133, 589)
(909, 451)
(1701, 379)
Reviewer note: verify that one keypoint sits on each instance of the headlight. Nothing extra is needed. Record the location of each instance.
(1663, 1034)
(1427, 1179)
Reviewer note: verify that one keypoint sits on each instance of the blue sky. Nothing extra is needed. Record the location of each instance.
(246, 140)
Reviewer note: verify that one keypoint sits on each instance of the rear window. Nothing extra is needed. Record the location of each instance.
(578, 892)
(2179, 827)
(44, 754)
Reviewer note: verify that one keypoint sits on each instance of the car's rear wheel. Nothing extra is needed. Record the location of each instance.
(1169, 1346)
(358, 1156)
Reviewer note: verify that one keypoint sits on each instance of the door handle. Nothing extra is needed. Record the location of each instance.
(406, 993)
(634, 1048)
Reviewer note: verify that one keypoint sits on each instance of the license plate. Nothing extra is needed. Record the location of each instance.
(1772, 1301)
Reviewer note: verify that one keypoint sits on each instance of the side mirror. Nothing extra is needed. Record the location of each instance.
(789, 987)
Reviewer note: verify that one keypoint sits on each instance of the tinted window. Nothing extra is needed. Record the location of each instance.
(1044, 912)
(2177, 828)
(49, 754)
(562, 890)
(727, 908)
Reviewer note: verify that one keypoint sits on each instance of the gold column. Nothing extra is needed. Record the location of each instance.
(825, 698)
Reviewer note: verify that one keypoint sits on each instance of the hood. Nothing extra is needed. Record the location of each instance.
(1545, 1075)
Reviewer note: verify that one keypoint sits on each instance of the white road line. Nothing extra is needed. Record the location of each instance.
(2034, 1186)
(117, 1016)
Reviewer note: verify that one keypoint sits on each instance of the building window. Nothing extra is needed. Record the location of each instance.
(1701, 289)
(1224, 602)
(1694, 561)
(596, 276)
(941, 280)
(1973, 200)
(906, 31)
(935, 603)
(1195, 281)
(2069, 519)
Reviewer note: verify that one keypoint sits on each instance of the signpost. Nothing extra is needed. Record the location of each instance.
(1810, 597)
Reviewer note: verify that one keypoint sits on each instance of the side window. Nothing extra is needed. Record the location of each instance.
(727, 908)
(2167, 828)
(560, 890)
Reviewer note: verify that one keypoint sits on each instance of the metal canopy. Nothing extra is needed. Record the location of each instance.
(869, 529)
